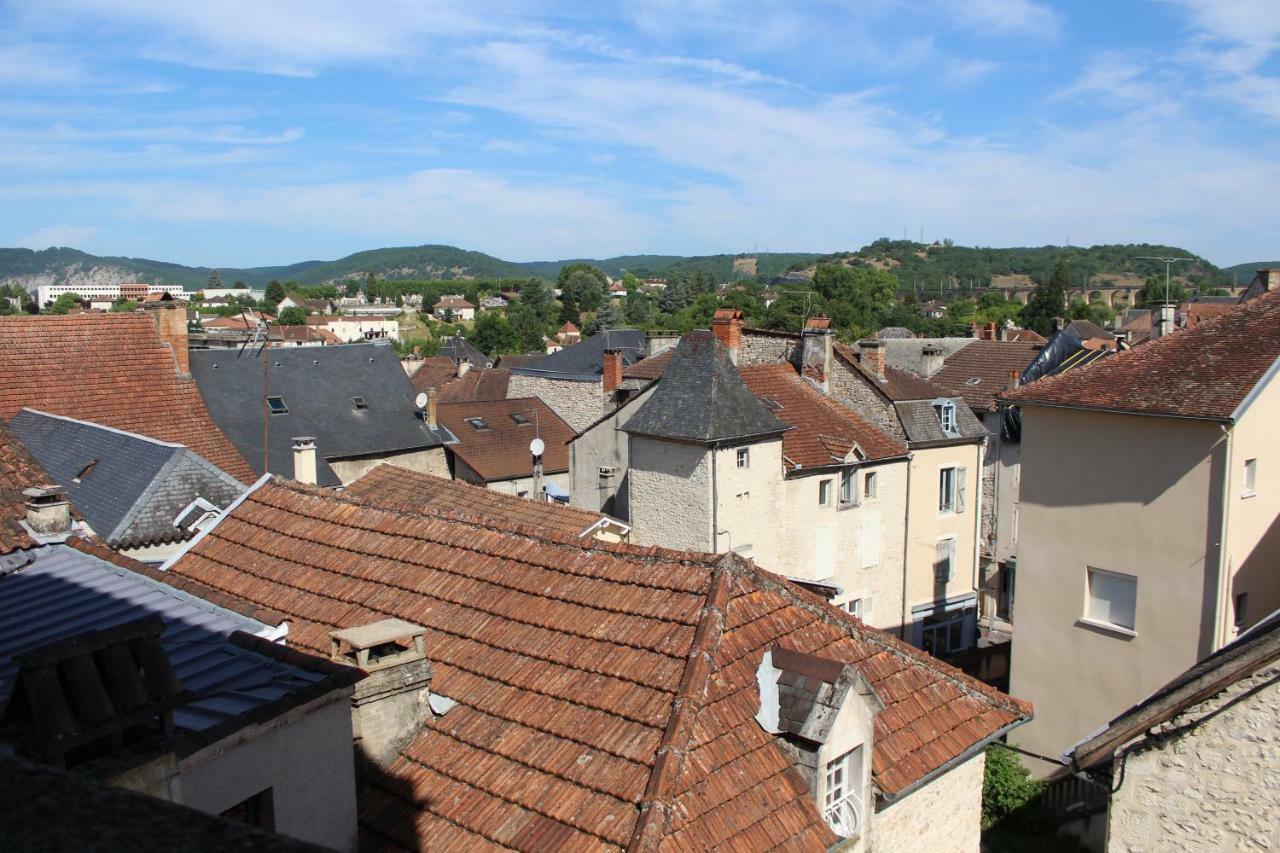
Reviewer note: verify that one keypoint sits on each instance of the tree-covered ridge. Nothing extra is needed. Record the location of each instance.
(1244, 273)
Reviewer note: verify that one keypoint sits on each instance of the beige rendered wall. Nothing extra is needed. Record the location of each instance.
(1253, 521)
(1211, 788)
(525, 484)
(943, 815)
(1135, 495)
(925, 525)
(603, 445)
(669, 492)
(750, 502)
(431, 461)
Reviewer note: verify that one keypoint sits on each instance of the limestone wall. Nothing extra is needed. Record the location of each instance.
(670, 494)
(579, 404)
(850, 389)
(431, 461)
(1214, 787)
(944, 815)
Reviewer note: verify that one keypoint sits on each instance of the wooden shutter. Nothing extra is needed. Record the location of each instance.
(869, 541)
(824, 553)
(960, 478)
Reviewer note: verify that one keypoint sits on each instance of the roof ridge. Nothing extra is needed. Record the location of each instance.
(658, 802)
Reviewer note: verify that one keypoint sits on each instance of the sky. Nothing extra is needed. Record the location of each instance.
(243, 133)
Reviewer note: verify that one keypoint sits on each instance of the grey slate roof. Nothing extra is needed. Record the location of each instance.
(128, 487)
(319, 386)
(458, 347)
(920, 422)
(64, 591)
(906, 353)
(702, 398)
(584, 361)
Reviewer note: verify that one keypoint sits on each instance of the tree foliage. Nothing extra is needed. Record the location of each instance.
(274, 293)
(215, 281)
(64, 303)
(1048, 301)
(292, 316)
(494, 335)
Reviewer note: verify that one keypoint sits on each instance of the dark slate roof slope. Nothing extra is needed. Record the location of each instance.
(920, 422)
(702, 398)
(980, 371)
(319, 386)
(457, 348)
(1205, 371)
(129, 488)
(585, 361)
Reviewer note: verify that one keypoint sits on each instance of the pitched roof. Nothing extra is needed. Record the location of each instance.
(650, 368)
(981, 370)
(458, 347)
(1205, 371)
(434, 372)
(393, 487)
(606, 693)
(1257, 648)
(18, 471)
(896, 384)
(129, 488)
(319, 387)
(453, 302)
(1189, 314)
(584, 361)
(1025, 336)
(500, 450)
(520, 360)
(113, 369)
(1089, 330)
(702, 398)
(479, 384)
(920, 422)
(823, 432)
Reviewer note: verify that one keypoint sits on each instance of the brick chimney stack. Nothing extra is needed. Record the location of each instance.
(612, 374)
(726, 323)
(171, 323)
(304, 459)
(432, 412)
(871, 354)
(816, 361)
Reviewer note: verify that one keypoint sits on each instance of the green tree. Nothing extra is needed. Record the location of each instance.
(528, 326)
(292, 316)
(537, 297)
(1048, 301)
(123, 306)
(586, 284)
(493, 334)
(866, 293)
(352, 287)
(675, 296)
(569, 310)
(275, 292)
(1152, 292)
(215, 281)
(638, 307)
(606, 318)
(64, 303)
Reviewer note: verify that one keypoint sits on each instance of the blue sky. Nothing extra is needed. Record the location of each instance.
(248, 133)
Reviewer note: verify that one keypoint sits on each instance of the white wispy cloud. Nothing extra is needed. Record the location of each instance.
(58, 235)
(1005, 17)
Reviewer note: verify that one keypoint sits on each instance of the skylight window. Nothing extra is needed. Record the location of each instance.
(519, 419)
(277, 406)
(477, 423)
(977, 380)
(359, 402)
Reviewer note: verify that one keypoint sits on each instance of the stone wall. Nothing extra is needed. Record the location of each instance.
(852, 390)
(579, 404)
(670, 494)
(604, 445)
(760, 347)
(944, 815)
(432, 460)
(1211, 787)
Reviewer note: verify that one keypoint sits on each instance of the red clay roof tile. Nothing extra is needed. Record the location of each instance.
(500, 451)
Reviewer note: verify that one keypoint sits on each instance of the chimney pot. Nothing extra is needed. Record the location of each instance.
(726, 323)
(304, 459)
(612, 370)
(48, 513)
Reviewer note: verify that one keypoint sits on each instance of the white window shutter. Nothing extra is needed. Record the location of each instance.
(824, 553)
(869, 542)
(960, 472)
(1112, 598)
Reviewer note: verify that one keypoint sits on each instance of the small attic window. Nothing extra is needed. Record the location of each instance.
(519, 419)
(946, 411)
(477, 423)
(977, 380)
(359, 402)
(276, 406)
(85, 471)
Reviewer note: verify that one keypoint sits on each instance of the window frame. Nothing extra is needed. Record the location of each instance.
(849, 488)
(870, 486)
(950, 542)
(824, 491)
(1250, 477)
(1105, 624)
(947, 496)
(281, 407)
(743, 457)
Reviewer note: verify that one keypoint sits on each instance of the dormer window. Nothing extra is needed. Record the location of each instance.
(946, 412)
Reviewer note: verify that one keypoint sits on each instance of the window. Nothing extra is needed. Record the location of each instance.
(1112, 598)
(946, 412)
(842, 798)
(869, 541)
(1242, 605)
(258, 810)
(824, 492)
(359, 402)
(853, 607)
(1250, 477)
(519, 419)
(947, 490)
(276, 406)
(943, 634)
(744, 457)
(869, 485)
(944, 563)
(848, 487)
(477, 423)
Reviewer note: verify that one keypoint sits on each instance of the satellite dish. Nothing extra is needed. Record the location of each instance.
(421, 400)
(537, 446)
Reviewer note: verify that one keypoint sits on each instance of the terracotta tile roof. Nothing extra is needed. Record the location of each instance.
(981, 370)
(479, 384)
(501, 450)
(1025, 336)
(110, 369)
(18, 471)
(455, 302)
(434, 372)
(822, 431)
(393, 487)
(897, 385)
(1190, 314)
(606, 693)
(1201, 372)
(650, 368)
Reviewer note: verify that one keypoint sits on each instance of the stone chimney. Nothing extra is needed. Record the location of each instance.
(930, 359)
(871, 354)
(431, 415)
(304, 459)
(1163, 315)
(48, 513)
(816, 361)
(1059, 324)
(1014, 381)
(612, 370)
(171, 322)
(656, 341)
(1270, 278)
(726, 323)
(464, 367)
(389, 706)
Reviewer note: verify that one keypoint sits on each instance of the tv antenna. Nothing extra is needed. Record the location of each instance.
(1168, 262)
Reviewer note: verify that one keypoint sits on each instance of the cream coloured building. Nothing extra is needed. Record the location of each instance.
(1148, 534)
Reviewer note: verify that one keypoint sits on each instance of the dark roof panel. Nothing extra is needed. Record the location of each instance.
(585, 360)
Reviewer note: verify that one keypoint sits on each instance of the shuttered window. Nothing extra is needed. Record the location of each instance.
(869, 542)
(945, 562)
(824, 556)
(1113, 598)
(960, 479)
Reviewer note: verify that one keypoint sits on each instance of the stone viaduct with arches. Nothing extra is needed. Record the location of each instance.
(1115, 296)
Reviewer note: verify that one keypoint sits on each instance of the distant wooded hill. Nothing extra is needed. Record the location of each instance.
(915, 264)
(1243, 273)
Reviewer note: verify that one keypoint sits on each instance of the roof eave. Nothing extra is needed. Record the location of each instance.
(1111, 410)
(956, 761)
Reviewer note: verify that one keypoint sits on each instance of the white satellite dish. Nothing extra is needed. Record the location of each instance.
(421, 400)
(537, 446)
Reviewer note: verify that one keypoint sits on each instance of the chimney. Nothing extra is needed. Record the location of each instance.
(430, 414)
(930, 359)
(464, 365)
(1058, 324)
(871, 352)
(656, 341)
(1270, 278)
(304, 459)
(816, 361)
(1014, 381)
(612, 370)
(726, 323)
(1162, 319)
(389, 706)
(48, 513)
(171, 322)
(990, 333)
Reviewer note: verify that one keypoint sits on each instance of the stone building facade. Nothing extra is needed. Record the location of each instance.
(943, 815)
(578, 402)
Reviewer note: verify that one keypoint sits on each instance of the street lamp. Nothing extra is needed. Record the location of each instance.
(1168, 262)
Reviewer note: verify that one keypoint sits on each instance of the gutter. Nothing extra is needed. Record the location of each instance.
(952, 763)
(906, 554)
(1113, 411)
(1223, 567)
(231, 507)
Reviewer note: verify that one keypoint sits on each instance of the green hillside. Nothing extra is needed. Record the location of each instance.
(1244, 273)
